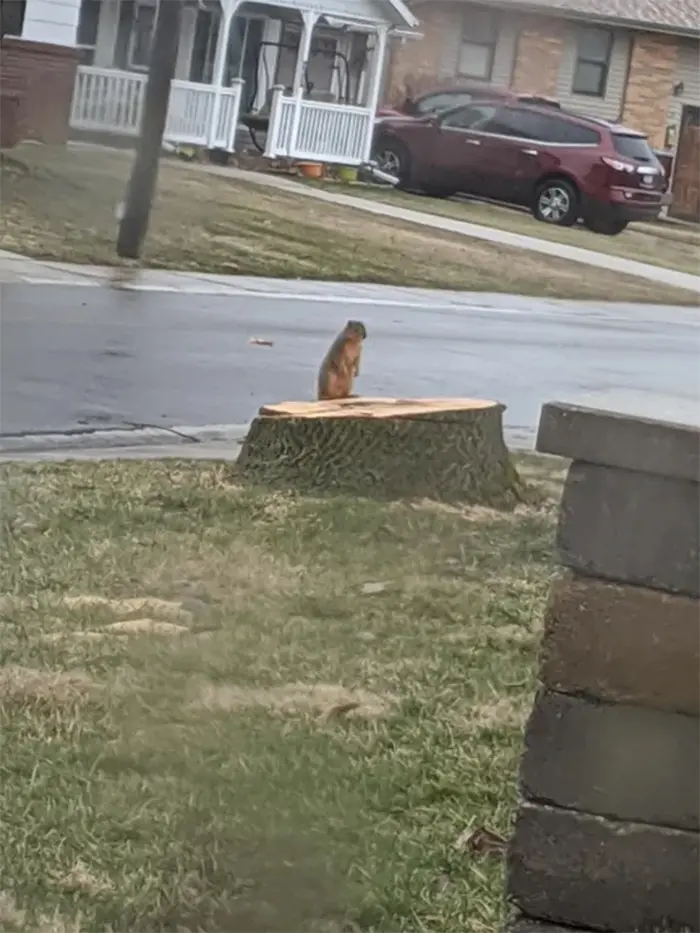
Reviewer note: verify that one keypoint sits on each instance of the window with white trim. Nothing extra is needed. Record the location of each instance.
(480, 29)
(593, 52)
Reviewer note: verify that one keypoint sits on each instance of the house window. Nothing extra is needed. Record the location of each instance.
(12, 17)
(593, 51)
(142, 27)
(87, 29)
(479, 37)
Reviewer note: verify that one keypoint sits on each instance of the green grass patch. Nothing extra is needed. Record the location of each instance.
(224, 709)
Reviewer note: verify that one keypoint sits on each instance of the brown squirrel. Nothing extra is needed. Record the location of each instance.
(341, 364)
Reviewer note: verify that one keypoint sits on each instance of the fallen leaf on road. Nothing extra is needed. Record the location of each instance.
(481, 841)
(260, 342)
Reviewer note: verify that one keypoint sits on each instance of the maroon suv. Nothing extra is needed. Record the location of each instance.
(562, 165)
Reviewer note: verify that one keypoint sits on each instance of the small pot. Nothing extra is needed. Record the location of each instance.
(311, 169)
(347, 174)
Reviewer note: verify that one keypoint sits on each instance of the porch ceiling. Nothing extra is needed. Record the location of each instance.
(352, 12)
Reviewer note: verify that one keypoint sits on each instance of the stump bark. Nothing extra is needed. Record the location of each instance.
(445, 449)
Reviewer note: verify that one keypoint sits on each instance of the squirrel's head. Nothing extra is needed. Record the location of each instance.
(357, 327)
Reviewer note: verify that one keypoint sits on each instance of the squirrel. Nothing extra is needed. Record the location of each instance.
(341, 364)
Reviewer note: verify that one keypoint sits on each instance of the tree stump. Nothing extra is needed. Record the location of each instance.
(444, 449)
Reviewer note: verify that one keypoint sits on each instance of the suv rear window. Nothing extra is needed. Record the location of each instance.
(437, 103)
(633, 147)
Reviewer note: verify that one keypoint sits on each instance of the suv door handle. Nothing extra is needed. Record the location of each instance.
(530, 152)
(472, 142)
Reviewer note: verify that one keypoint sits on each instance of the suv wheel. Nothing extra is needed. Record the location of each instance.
(393, 158)
(556, 202)
(605, 226)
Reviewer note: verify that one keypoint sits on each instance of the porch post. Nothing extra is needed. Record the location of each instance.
(375, 87)
(310, 20)
(228, 9)
(298, 87)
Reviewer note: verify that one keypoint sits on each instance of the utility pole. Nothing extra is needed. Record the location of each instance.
(142, 184)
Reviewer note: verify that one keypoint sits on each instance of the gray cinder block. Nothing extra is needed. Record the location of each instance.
(623, 643)
(616, 440)
(613, 760)
(583, 870)
(631, 527)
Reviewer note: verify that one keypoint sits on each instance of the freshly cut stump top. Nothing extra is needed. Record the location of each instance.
(441, 448)
(376, 408)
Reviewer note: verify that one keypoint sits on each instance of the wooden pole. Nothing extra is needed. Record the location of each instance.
(142, 184)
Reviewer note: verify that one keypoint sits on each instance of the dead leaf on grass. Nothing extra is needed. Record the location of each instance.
(339, 710)
(481, 841)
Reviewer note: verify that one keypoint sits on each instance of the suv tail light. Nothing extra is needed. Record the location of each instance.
(617, 165)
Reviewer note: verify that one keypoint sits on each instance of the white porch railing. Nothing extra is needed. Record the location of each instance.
(111, 101)
(318, 131)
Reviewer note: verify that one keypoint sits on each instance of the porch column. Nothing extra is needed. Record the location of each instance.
(299, 85)
(310, 20)
(228, 9)
(375, 86)
(107, 28)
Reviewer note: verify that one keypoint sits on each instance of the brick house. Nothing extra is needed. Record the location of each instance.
(636, 61)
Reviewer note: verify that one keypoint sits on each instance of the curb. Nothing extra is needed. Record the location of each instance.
(116, 438)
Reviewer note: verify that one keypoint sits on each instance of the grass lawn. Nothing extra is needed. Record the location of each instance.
(59, 204)
(283, 746)
(669, 245)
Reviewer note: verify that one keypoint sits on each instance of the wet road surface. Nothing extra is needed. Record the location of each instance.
(98, 357)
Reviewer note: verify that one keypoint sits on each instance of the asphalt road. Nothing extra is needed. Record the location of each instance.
(73, 357)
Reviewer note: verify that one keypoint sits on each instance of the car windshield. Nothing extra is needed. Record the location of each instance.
(633, 147)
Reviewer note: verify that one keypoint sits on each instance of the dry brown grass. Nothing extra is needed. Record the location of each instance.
(62, 208)
(33, 687)
(308, 699)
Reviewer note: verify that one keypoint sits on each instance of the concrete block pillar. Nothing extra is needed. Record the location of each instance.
(607, 832)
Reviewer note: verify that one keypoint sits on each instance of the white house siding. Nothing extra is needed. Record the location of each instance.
(52, 21)
(608, 107)
(687, 72)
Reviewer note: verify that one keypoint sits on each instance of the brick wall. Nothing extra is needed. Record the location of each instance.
(415, 66)
(538, 57)
(650, 86)
(44, 74)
